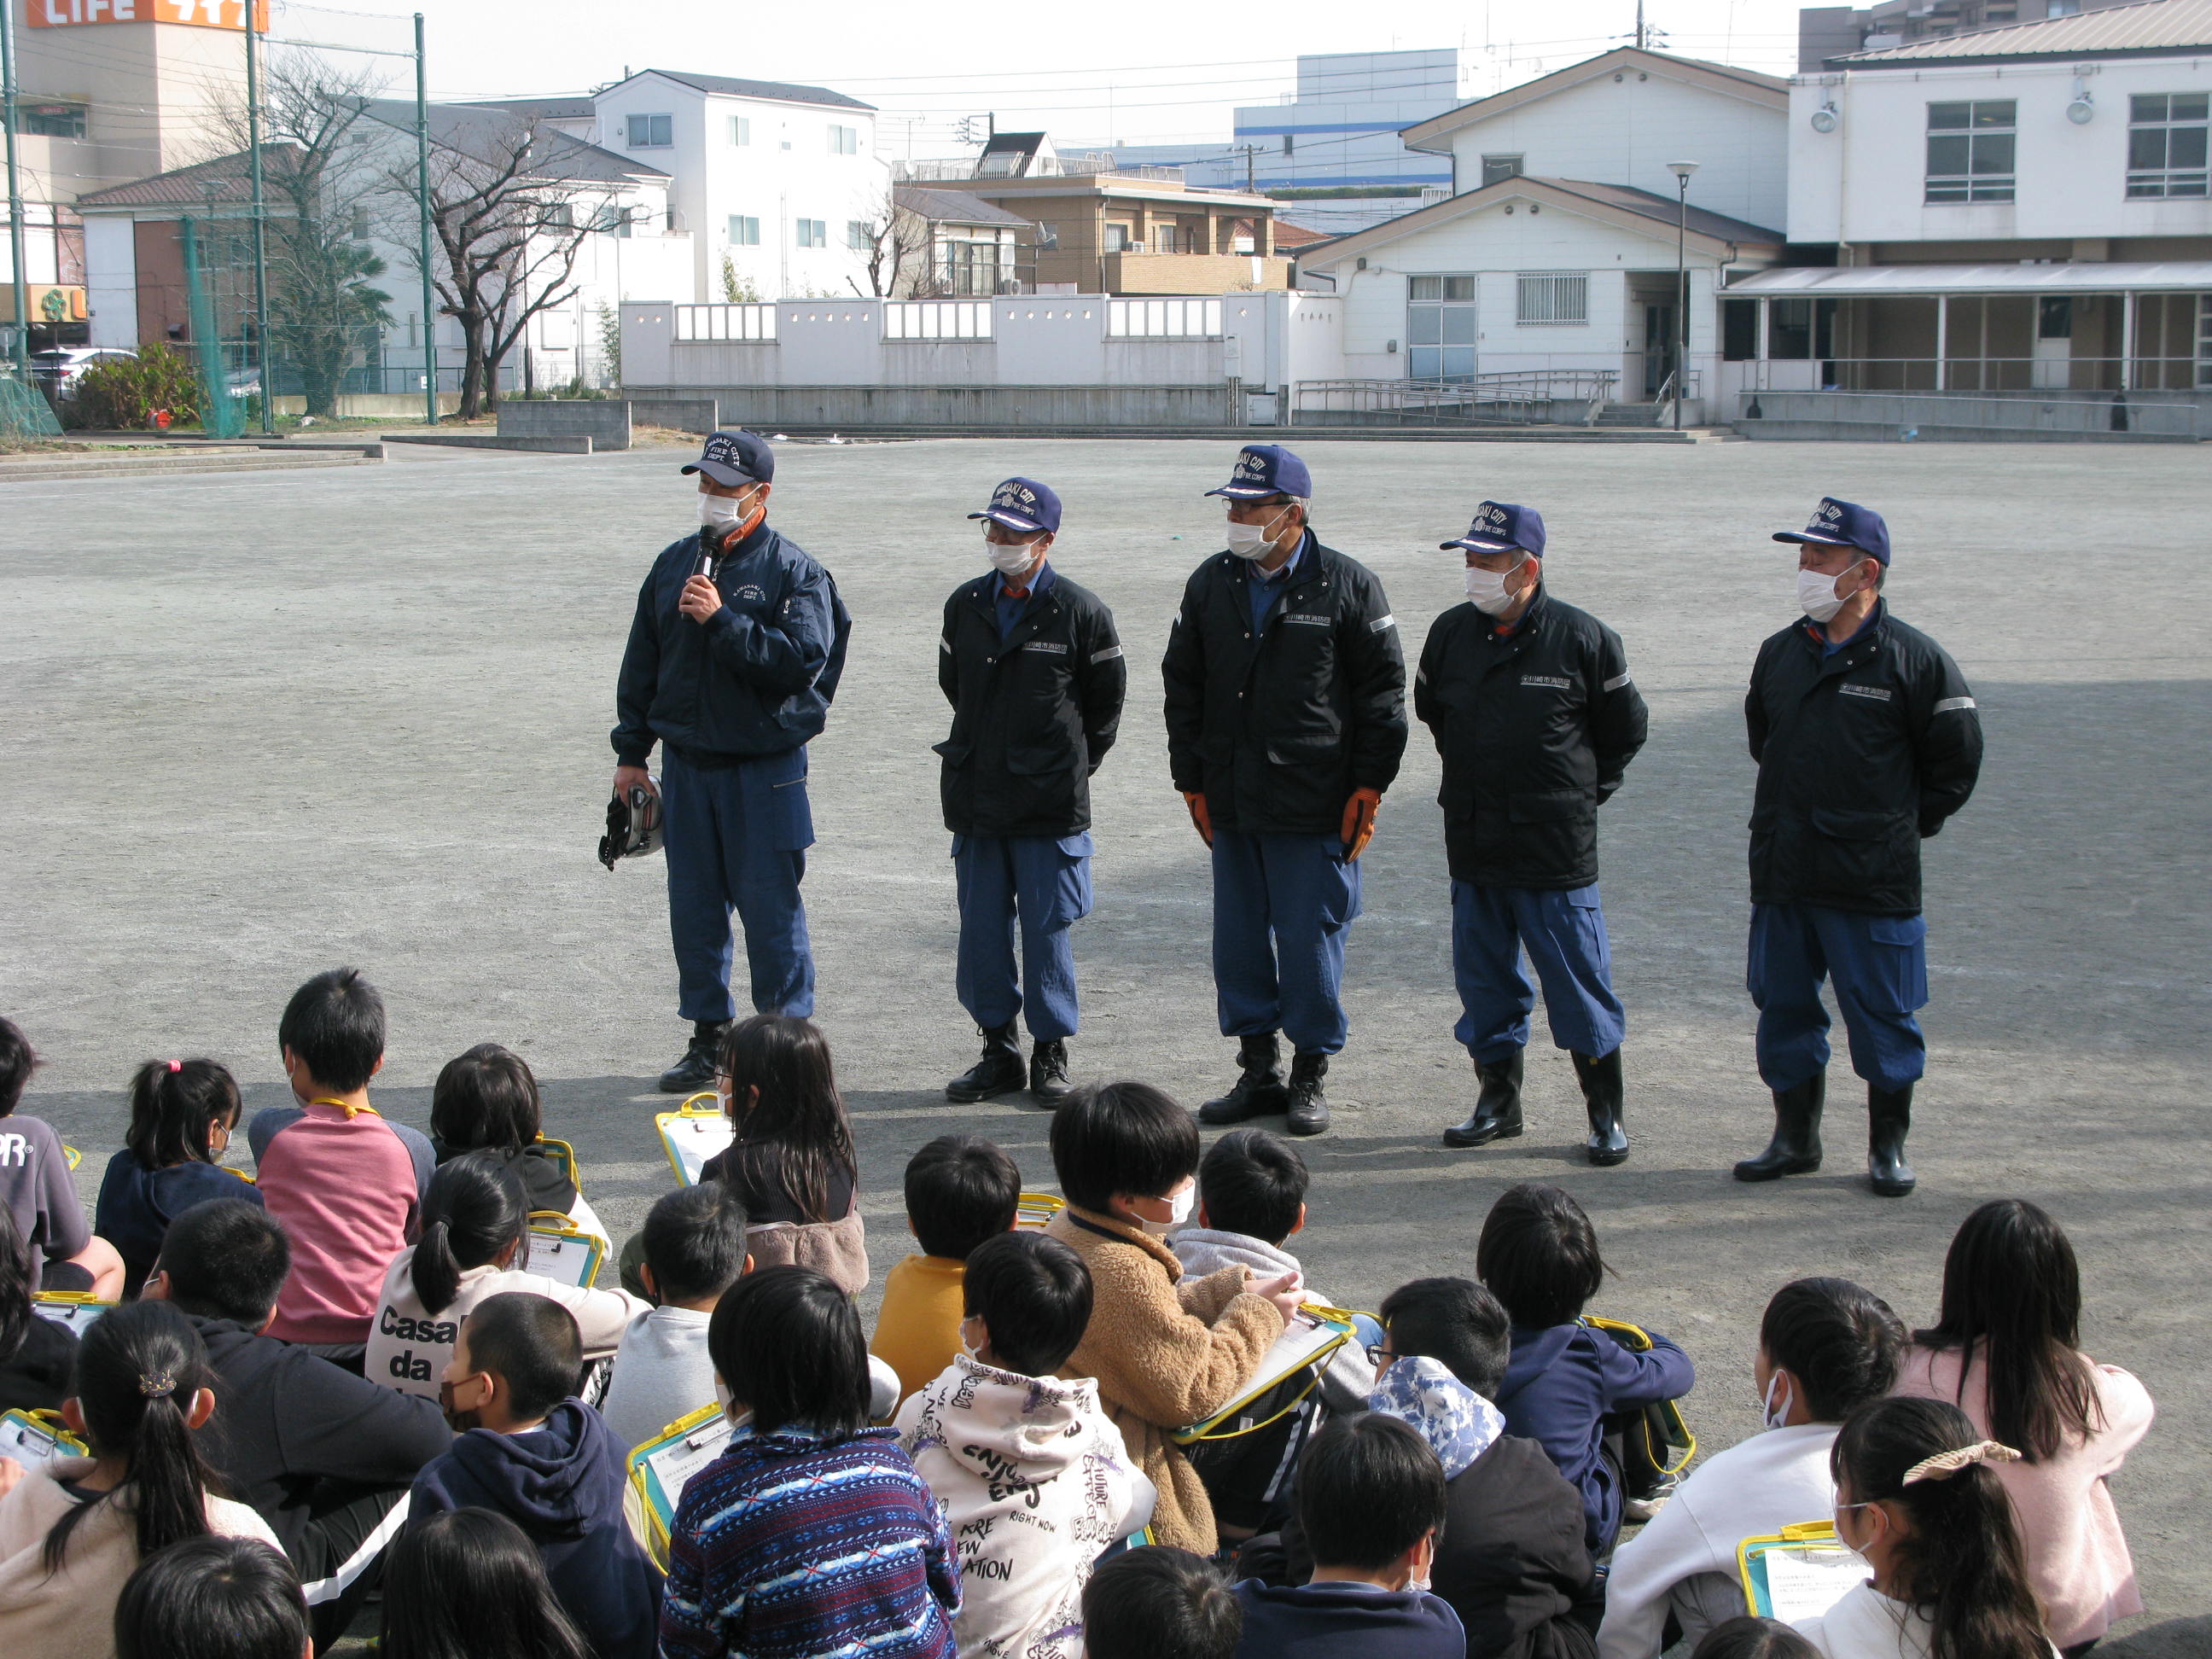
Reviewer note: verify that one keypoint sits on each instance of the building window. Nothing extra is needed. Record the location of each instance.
(1560, 296)
(1739, 330)
(741, 129)
(650, 131)
(844, 140)
(1969, 151)
(860, 236)
(558, 216)
(2054, 317)
(1047, 238)
(613, 221)
(1117, 238)
(1440, 328)
(1495, 168)
(812, 232)
(2166, 143)
(1290, 143)
(1789, 330)
(360, 221)
(53, 121)
(744, 230)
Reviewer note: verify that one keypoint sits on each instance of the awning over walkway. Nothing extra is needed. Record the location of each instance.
(1874, 282)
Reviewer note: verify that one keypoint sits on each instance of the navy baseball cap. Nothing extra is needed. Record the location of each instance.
(735, 458)
(1844, 524)
(1265, 469)
(1502, 527)
(1023, 504)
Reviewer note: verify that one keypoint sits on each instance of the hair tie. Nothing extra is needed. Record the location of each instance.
(1943, 1465)
(157, 1385)
(175, 1064)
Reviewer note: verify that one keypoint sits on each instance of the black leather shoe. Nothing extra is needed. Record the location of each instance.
(999, 1072)
(1603, 1092)
(702, 1059)
(1259, 1091)
(1497, 1114)
(1049, 1072)
(1308, 1110)
(1795, 1148)
(1889, 1114)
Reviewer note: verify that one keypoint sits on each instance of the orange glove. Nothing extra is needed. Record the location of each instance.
(1201, 820)
(1359, 822)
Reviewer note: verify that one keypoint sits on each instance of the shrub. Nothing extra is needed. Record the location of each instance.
(122, 393)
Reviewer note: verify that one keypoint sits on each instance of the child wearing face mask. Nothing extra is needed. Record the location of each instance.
(1166, 1349)
(183, 1113)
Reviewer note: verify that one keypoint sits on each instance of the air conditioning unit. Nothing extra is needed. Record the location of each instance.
(1132, 248)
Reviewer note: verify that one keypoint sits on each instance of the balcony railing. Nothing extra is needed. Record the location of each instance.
(963, 170)
(1546, 397)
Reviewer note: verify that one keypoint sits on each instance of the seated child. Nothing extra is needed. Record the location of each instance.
(532, 1451)
(469, 1582)
(1747, 1636)
(1033, 1479)
(1167, 1349)
(36, 1355)
(74, 1529)
(1826, 1347)
(182, 1115)
(694, 1249)
(486, 1100)
(1917, 1496)
(344, 1183)
(35, 1188)
(213, 1598)
(475, 1244)
(804, 1480)
(1371, 1498)
(1159, 1603)
(960, 1191)
(1538, 1255)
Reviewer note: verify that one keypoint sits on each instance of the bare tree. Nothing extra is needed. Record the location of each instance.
(897, 253)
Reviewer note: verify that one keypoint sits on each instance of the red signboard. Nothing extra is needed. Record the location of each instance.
(202, 14)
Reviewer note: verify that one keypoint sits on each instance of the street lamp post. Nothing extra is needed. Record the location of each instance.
(1682, 170)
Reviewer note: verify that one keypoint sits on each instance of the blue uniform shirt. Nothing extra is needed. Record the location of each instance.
(1263, 587)
(1013, 608)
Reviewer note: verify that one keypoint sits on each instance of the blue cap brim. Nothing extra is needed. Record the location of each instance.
(1475, 544)
(1248, 492)
(1011, 520)
(721, 474)
(1817, 541)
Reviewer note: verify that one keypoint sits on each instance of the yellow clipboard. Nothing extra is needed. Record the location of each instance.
(658, 1470)
(1799, 1573)
(76, 1311)
(1312, 1335)
(39, 1437)
(71, 1155)
(1678, 1431)
(1036, 1209)
(692, 1133)
(562, 1157)
(561, 1250)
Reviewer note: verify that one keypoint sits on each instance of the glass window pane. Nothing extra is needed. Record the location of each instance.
(1424, 326)
(1428, 287)
(1993, 152)
(2147, 148)
(1459, 362)
(1459, 288)
(2185, 147)
(1996, 113)
(1739, 330)
(1424, 362)
(1946, 157)
(1459, 325)
(1941, 116)
(2190, 105)
(2147, 106)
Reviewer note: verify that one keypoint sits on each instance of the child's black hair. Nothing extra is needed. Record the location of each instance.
(1120, 1138)
(212, 1598)
(18, 1060)
(18, 1282)
(1455, 1321)
(225, 1259)
(469, 1584)
(1839, 1339)
(796, 1136)
(695, 1242)
(1252, 1182)
(334, 1026)
(487, 1097)
(960, 1190)
(787, 1343)
(1157, 1603)
(1539, 1255)
(1370, 1488)
(1033, 1293)
(475, 1207)
(530, 1343)
(1750, 1636)
(173, 1105)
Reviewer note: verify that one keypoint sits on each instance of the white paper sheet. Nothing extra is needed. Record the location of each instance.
(692, 1140)
(566, 1257)
(1806, 1583)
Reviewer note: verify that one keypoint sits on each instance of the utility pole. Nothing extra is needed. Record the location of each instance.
(1247, 151)
(1682, 170)
(260, 213)
(422, 230)
(14, 192)
(1643, 35)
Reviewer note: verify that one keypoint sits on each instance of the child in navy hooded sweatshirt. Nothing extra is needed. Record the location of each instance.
(1539, 1256)
(533, 1452)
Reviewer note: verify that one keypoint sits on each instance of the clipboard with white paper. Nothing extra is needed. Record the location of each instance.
(76, 1311)
(1311, 1336)
(35, 1438)
(659, 1469)
(692, 1133)
(1034, 1209)
(1799, 1573)
(562, 1251)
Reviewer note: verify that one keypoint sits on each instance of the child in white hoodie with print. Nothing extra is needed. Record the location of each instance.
(1032, 1477)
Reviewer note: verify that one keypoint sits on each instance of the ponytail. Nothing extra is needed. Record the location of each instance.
(1959, 1560)
(476, 1207)
(138, 1369)
(173, 1105)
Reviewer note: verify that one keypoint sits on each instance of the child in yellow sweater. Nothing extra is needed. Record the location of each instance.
(960, 1190)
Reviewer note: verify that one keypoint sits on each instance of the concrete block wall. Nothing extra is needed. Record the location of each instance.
(605, 422)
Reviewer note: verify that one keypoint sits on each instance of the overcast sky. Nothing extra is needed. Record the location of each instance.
(1145, 71)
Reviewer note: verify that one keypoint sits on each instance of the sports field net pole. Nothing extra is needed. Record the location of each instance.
(260, 211)
(14, 192)
(422, 229)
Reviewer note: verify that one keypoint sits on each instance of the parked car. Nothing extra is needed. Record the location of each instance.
(57, 371)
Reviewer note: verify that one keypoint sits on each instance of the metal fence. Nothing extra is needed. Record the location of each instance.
(2024, 375)
(1910, 416)
(1548, 397)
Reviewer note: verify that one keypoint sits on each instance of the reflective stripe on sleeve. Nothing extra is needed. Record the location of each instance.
(1616, 681)
(1382, 623)
(1107, 655)
(944, 644)
(1950, 703)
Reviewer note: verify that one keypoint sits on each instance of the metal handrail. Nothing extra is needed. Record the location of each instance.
(1516, 397)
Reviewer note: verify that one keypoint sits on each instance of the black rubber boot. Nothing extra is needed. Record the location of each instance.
(1309, 1107)
(702, 1059)
(1603, 1092)
(1795, 1148)
(1889, 1114)
(1259, 1090)
(1497, 1114)
(1049, 1072)
(999, 1072)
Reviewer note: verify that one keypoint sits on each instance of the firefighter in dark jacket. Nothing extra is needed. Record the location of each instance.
(1536, 717)
(1031, 664)
(1286, 721)
(734, 653)
(1867, 739)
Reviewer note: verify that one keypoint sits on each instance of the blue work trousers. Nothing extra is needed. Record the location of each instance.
(736, 840)
(1878, 965)
(1043, 883)
(1282, 905)
(1562, 930)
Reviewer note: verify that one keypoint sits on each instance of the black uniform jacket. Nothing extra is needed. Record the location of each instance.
(1535, 730)
(1861, 754)
(1278, 731)
(1033, 715)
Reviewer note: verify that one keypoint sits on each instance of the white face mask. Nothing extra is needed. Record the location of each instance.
(1252, 541)
(725, 512)
(1817, 596)
(1179, 1209)
(1488, 590)
(1773, 1413)
(1012, 558)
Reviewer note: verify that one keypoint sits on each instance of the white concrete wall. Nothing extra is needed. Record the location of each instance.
(1864, 182)
(1625, 132)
